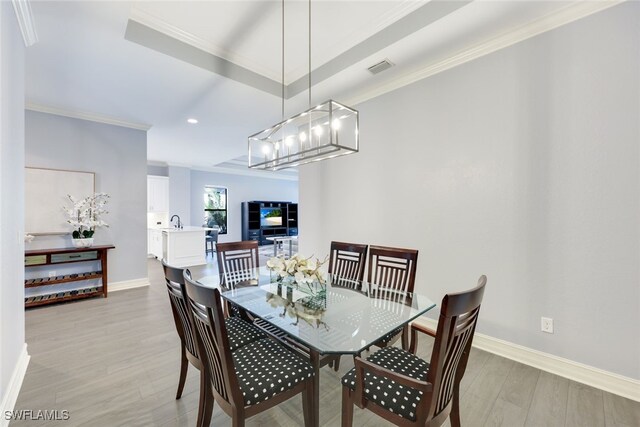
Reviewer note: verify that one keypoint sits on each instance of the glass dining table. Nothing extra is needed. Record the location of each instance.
(340, 317)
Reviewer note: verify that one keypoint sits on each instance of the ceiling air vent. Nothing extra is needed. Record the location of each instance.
(380, 66)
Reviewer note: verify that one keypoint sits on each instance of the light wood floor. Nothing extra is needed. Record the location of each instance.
(114, 362)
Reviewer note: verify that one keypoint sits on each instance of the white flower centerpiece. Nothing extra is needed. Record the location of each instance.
(298, 271)
(84, 215)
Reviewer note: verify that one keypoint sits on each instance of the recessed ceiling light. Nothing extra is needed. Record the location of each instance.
(192, 121)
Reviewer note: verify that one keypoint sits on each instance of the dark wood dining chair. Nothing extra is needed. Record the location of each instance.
(188, 349)
(210, 240)
(392, 272)
(237, 262)
(406, 390)
(240, 332)
(346, 264)
(252, 379)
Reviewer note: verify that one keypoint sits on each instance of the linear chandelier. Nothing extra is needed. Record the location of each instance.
(324, 131)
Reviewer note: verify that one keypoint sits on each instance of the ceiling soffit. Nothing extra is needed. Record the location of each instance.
(173, 43)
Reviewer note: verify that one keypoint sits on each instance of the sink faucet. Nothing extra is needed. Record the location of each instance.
(179, 223)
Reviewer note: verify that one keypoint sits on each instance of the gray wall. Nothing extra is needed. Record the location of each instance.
(522, 165)
(180, 193)
(12, 200)
(118, 156)
(157, 170)
(240, 189)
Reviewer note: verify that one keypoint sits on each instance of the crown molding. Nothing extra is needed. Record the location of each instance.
(401, 9)
(157, 163)
(247, 172)
(177, 33)
(92, 117)
(27, 26)
(236, 162)
(228, 171)
(565, 15)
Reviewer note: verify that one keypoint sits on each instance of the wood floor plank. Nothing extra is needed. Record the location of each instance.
(549, 403)
(512, 405)
(477, 361)
(520, 385)
(484, 390)
(506, 414)
(620, 412)
(585, 406)
(120, 368)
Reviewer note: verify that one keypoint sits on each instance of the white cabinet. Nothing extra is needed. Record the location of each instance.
(184, 247)
(154, 242)
(157, 193)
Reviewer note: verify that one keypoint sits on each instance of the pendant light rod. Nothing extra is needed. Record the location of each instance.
(282, 59)
(309, 53)
(324, 131)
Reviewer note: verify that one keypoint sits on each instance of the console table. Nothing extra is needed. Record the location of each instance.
(87, 256)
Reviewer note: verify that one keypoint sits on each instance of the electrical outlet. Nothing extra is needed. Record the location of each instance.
(52, 273)
(546, 325)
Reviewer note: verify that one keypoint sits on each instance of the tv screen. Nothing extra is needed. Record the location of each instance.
(270, 217)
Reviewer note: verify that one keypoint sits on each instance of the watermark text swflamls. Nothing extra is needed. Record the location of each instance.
(37, 415)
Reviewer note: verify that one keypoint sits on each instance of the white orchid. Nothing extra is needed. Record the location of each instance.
(276, 265)
(302, 278)
(84, 215)
(303, 270)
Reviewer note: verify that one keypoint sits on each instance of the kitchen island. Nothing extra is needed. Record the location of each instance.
(182, 247)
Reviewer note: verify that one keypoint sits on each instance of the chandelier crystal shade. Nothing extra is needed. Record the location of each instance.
(325, 131)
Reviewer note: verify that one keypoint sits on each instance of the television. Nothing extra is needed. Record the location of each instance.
(270, 217)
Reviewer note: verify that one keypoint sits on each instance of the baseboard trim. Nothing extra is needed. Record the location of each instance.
(579, 372)
(13, 388)
(128, 284)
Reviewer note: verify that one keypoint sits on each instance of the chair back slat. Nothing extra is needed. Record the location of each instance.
(176, 290)
(456, 327)
(205, 309)
(211, 349)
(237, 262)
(392, 268)
(346, 264)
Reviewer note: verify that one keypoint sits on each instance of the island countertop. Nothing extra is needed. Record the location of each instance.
(187, 228)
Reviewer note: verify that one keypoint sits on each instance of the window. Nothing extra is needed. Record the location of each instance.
(215, 207)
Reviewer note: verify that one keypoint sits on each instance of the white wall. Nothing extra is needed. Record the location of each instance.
(522, 165)
(180, 194)
(240, 189)
(12, 199)
(118, 156)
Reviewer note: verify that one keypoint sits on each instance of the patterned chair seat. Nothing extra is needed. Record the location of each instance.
(241, 333)
(265, 369)
(394, 397)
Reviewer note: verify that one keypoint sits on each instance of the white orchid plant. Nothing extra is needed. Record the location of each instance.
(84, 215)
(303, 270)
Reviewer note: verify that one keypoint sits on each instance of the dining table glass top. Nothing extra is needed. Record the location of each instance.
(340, 316)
